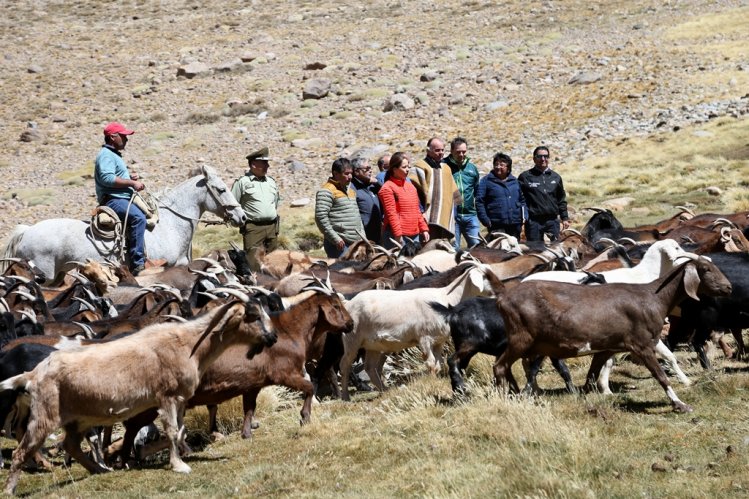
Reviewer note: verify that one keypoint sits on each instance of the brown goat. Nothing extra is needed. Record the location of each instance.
(301, 331)
(160, 366)
(564, 320)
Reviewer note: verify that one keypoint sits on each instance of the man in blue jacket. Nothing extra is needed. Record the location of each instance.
(500, 203)
(466, 177)
(366, 187)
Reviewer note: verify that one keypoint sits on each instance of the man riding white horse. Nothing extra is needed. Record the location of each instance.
(114, 187)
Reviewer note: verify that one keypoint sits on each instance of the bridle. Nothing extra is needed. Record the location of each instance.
(226, 208)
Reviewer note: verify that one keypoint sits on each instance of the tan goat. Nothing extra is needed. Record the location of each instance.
(160, 366)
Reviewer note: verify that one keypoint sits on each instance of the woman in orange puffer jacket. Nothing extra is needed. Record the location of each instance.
(400, 204)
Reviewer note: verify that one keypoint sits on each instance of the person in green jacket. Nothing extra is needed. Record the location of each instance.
(466, 177)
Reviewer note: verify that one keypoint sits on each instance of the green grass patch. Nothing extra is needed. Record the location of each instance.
(34, 197)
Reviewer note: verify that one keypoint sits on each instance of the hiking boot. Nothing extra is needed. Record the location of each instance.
(138, 269)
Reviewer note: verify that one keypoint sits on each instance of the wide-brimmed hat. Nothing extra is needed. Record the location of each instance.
(119, 128)
(259, 155)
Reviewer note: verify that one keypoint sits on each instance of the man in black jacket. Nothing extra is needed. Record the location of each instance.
(544, 194)
(366, 198)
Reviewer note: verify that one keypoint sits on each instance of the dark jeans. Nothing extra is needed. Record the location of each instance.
(331, 250)
(535, 230)
(509, 229)
(136, 229)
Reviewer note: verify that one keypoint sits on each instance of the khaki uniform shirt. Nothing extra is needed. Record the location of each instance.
(258, 197)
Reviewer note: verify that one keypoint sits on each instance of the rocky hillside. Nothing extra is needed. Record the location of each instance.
(207, 82)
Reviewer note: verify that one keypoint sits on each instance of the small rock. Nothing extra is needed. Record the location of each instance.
(306, 143)
(584, 78)
(730, 450)
(493, 106)
(429, 76)
(714, 190)
(300, 202)
(193, 69)
(295, 166)
(617, 204)
(30, 135)
(34, 68)
(456, 99)
(658, 467)
(248, 57)
(669, 457)
(312, 66)
(316, 88)
(228, 66)
(398, 102)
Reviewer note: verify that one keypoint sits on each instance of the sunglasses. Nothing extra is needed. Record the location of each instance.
(543, 156)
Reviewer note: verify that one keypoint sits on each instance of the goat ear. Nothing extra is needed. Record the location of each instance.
(691, 281)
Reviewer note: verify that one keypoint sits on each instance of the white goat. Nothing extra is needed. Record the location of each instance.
(160, 366)
(393, 320)
(660, 259)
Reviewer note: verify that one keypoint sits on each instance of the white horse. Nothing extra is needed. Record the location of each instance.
(51, 243)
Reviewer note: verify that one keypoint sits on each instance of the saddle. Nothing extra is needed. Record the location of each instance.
(106, 220)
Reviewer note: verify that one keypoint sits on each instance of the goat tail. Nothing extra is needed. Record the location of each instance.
(18, 382)
(444, 311)
(10, 249)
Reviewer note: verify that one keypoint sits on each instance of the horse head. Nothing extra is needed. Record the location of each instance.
(221, 201)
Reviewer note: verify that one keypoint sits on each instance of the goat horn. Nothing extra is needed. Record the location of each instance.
(175, 318)
(364, 238)
(30, 316)
(573, 231)
(209, 295)
(627, 240)
(396, 243)
(688, 240)
(4, 304)
(233, 292)
(324, 291)
(87, 330)
(723, 221)
(609, 242)
(725, 235)
(10, 259)
(684, 209)
(234, 246)
(540, 257)
(109, 264)
(260, 289)
(483, 240)
(24, 280)
(79, 277)
(86, 303)
(25, 294)
(202, 273)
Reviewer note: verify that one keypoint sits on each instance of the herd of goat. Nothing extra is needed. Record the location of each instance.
(170, 339)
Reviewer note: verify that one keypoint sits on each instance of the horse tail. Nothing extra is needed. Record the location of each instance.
(12, 247)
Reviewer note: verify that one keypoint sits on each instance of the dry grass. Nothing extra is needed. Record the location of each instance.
(418, 440)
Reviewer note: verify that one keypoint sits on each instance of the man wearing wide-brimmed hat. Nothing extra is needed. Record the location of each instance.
(114, 187)
(257, 193)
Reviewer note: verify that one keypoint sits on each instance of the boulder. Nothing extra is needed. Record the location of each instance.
(429, 76)
(193, 69)
(398, 102)
(585, 78)
(316, 88)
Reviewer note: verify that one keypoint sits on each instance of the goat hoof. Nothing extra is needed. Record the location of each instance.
(682, 408)
(181, 468)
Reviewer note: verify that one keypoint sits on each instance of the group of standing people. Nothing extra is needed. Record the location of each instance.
(438, 196)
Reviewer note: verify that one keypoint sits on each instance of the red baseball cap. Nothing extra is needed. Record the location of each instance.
(115, 127)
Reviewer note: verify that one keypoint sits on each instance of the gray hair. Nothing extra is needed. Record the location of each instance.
(359, 162)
